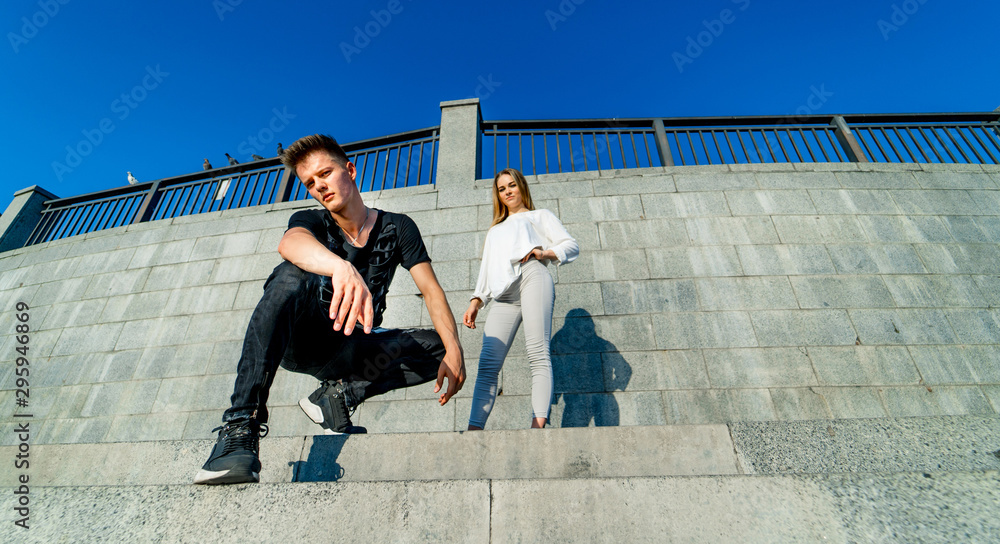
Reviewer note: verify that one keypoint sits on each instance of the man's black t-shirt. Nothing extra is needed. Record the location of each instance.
(394, 240)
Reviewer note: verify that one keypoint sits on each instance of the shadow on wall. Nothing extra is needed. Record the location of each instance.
(321, 465)
(585, 369)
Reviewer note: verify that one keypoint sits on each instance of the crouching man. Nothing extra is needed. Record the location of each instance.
(339, 262)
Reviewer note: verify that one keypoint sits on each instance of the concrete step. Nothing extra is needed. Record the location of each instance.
(894, 507)
(928, 444)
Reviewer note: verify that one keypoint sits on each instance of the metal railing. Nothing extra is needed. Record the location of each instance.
(542, 147)
(401, 160)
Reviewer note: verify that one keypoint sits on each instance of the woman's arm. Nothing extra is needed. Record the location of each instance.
(562, 246)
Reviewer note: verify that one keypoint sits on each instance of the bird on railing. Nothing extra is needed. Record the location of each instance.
(131, 179)
(207, 165)
(256, 157)
(232, 161)
(281, 150)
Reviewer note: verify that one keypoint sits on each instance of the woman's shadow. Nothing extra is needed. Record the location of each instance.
(586, 369)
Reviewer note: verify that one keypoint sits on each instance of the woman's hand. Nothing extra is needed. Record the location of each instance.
(538, 254)
(469, 319)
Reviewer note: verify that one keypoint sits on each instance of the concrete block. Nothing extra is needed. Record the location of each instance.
(750, 293)
(721, 181)
(147, 234)
(455, 247)
(71, 314)
(215, 327)
(692, 204)
(798, 180)
(937, 401)
(955, 180)
(989, 287)
(269, 220)
(269, 240)
(877, 180)
(992, 393)
(864, 365)
(406, 416)
(142, 333)
(248, 295)
(107, 367)
(934, 291)
(405, 310)
(625, 264)
(244, 268)
(600, 209)
(139, 428)
(93, 338)
(61, 291)
(826, 166)
(391, 202)
(974, 229)
(756, 367)
(852, 402)
(822, 229)
(686, 262)
(228, 245)
(898, 228)
(224, 357)
(173, 361)
(554, 190)
(989, 201)
(935, 202)
(116, 283)
(902, 326)
(951, 365)
(575, 373)
(875, 259)
(695, 407)
(162, 254)
(205, 224)
(634, 185)
(784, 259)
(609, 410)
(654, 370)
(582, 296)
(841, 292)
(770, 202)
(763, 167)
(650, 296)
(581, 333)
(134, 306)
(642, 234)
(730, 230)
(176, 276)
(49, 254)
(89, 246)
(445, 221)
(85, 430)
(953, 167)
(976, 326)
(704, 330)
(959, 258)
(60, 402)
(853, 202)
(793, 404)
(192, 394)
(803, 328)
(116, 398)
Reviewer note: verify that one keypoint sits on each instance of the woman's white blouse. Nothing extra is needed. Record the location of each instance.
(508, 242)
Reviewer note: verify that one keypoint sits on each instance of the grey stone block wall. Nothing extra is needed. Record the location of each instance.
(702, 295)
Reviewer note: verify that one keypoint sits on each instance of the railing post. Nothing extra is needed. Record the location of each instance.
(847, 141)
(148, 204)
(662, 145)
(459, 161)
(22, 216)
(287, 182)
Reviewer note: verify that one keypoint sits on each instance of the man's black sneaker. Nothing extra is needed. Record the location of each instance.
(327, 406)
(234, 458)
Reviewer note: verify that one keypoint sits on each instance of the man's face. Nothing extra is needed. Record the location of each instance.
(327, 181)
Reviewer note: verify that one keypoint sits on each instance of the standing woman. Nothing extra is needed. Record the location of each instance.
(520, 242)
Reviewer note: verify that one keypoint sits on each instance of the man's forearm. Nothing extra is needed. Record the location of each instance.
(307, 253)
(443, 320)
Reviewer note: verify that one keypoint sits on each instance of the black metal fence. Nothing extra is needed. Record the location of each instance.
(542, 147)
(400, 160)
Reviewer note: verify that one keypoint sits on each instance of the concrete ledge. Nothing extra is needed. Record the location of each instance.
(912, 507)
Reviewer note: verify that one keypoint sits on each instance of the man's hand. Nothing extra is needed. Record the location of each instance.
(469, 319)
(453, 368)
(352, 301)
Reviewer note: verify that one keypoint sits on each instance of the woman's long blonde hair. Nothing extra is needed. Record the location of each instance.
(500, 211)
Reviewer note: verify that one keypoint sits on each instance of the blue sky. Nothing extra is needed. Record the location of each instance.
(160, 85)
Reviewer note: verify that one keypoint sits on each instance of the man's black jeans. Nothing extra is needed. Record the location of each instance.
(292, 328)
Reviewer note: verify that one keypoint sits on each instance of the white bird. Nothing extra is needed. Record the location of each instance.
(131, 179)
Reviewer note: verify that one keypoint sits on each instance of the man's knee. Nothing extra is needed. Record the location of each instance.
(288, 277)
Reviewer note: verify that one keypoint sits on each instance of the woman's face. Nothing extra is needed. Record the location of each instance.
(510, 195)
